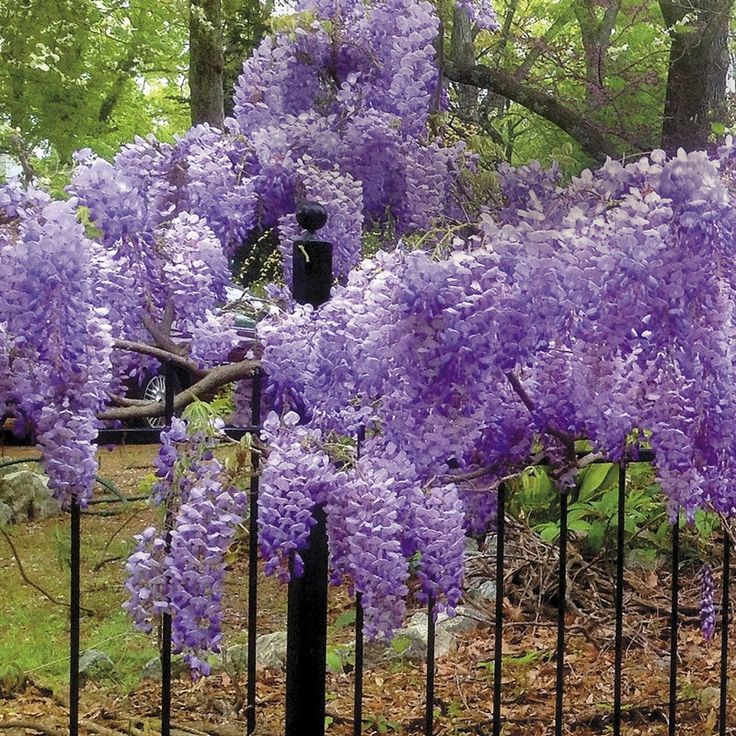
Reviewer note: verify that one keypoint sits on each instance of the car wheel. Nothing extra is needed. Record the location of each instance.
(153, 388)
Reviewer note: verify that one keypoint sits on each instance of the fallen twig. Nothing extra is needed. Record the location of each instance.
(30, 582)
(33, 726)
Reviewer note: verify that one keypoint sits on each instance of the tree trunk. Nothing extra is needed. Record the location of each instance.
(595, 31)
(206, 63)
(698, 65)
(462, 54)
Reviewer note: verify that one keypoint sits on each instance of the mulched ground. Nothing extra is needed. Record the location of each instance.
(394, 691)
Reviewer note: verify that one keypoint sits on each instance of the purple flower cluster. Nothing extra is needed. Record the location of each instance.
(315, 117)
(54, 341)
(203, 530)
(293, 481)
(378, 516)
(610, 300)
(481, 13)
(213, 338)
(707, 604)
(180, 570)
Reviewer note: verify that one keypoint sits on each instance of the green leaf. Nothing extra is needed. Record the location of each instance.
(346, 618)
(579, 526)
(718, 129)
(400, 644)
(334, 660)
(596, 536)
(548, 532)
(594, 478)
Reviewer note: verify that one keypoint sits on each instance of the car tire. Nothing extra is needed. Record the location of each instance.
(153, 388)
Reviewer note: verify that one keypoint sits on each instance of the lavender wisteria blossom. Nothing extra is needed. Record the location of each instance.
(338, 110)
(55, 340)
(599, 308)
(588, 310)
(378, 517)
(707, 603)
(180, 570)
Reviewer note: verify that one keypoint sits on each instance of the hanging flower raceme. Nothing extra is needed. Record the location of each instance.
(180, 570)
(55, 337)
(707, 603)
(378, 517)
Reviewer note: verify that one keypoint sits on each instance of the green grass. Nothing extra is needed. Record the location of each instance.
(34, 632)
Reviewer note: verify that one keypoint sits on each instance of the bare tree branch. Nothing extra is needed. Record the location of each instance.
(161, 333)
(541, 103)
(567, 440)
(214, 379)
(160, 353)
(24, 158)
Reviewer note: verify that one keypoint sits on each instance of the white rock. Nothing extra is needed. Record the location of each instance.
(27, 495)
(271, 651)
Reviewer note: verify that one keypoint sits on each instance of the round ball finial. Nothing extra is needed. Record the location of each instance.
(311, 216)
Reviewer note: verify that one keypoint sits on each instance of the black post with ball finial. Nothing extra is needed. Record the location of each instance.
(306, 626)
(312, 258)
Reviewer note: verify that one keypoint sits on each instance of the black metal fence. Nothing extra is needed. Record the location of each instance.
(310, 709)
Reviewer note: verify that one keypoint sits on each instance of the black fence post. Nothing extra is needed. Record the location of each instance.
(166, 618)
(561, 608)
(306, 628)
(498, 623)
(359, 654)
(429, 702)
(253, 555)
(725, 615)
(619, 603)
(74, 615)
(359, 638)
(675, 597)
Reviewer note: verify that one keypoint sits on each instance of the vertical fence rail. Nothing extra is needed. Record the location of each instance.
(306, 637)
(498, 623)
(306, 622)
(74, 616)
(675, 596)
(561, 607)
(429, 706)
(255, 406)
(358, 691)
(725, 600)
(166, 618)
(618, 645)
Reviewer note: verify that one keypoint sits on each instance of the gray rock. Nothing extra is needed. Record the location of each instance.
(471, 546)
(95, 665)
(271, 651)
(26, 494)
(462, 622)
(235, 657)
(486, 590)
(6, 514)
(152, 669)
(410, 643)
